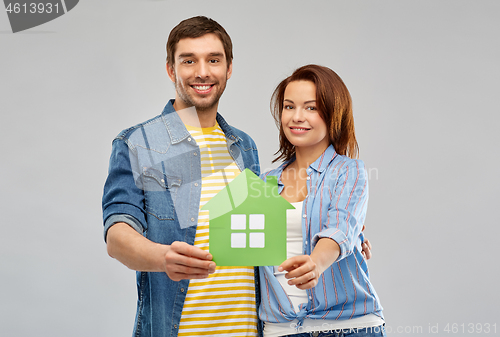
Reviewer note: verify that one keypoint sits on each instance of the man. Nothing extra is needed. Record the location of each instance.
(161, 172)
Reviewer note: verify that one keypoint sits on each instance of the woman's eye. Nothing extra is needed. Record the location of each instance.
(288, 107)
(312, 108)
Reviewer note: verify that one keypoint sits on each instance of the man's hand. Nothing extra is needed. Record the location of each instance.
(302, 271)
(366, 249)
(184, 261)
(179, 260)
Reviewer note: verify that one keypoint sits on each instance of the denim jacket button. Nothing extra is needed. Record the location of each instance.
(182, 290)
(194, 154)
(192, 219)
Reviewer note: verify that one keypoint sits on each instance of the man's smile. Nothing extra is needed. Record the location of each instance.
(202, 88)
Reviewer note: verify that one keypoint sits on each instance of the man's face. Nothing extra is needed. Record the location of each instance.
(200, 73)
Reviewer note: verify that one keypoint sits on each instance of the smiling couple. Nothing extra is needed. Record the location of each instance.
(163, 171)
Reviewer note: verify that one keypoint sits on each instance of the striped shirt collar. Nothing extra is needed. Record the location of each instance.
(319, 164)
(324, 160)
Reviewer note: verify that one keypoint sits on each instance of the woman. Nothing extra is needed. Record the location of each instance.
(323, 287)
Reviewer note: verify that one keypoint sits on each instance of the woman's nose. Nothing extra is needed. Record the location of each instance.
(298, 116)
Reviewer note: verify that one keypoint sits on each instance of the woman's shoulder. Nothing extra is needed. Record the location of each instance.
(273, 172)
(343, 167)
(347, 163)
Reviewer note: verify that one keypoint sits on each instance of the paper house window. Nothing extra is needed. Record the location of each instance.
(239, 231)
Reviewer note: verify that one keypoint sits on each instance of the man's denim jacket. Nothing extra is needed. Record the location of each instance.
(154, 185)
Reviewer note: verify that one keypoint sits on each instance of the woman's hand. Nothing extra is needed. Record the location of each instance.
(302, 271)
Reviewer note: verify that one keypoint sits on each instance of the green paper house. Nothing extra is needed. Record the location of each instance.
(248, 222)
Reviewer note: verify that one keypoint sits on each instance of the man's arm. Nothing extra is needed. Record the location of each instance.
(366, 246)
(122, 196)
(179, 260)
(367, 249)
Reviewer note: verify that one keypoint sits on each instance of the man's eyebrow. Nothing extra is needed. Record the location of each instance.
(184, 55)
(217, 54)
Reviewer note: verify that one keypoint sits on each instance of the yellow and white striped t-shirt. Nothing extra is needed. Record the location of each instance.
(224, 303)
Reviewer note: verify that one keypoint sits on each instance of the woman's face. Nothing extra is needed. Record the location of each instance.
(300, 119)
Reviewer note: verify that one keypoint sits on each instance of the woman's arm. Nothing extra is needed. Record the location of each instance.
(347, 208)
(305, 270)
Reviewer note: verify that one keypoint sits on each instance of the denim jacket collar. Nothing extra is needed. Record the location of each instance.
(178, 131)
(175, 127)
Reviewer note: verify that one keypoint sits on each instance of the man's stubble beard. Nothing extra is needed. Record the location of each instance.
(189, 101)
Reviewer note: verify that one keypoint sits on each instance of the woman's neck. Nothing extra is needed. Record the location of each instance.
(305, 156)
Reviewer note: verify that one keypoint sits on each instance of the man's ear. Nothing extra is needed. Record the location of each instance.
(230, 70)
(170, 72)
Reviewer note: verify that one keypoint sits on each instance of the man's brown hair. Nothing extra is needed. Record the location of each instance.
(334, 104)
(196, 27)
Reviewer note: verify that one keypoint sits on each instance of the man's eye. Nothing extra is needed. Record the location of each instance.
(214, 61)
(188, 62)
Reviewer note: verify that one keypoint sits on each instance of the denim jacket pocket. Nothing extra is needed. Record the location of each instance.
(160, 192)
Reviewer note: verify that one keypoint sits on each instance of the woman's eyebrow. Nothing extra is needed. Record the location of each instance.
(306, 102)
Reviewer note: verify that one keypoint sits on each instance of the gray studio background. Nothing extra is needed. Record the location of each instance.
(424, 77)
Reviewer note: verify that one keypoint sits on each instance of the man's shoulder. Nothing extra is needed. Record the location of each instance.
(151, 126)
(129, 132)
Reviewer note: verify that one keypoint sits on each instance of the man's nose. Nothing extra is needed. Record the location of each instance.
(202, 71)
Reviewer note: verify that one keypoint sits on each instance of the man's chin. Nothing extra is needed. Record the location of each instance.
(205, 108)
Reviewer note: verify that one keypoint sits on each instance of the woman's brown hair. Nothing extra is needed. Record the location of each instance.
(334, 104)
